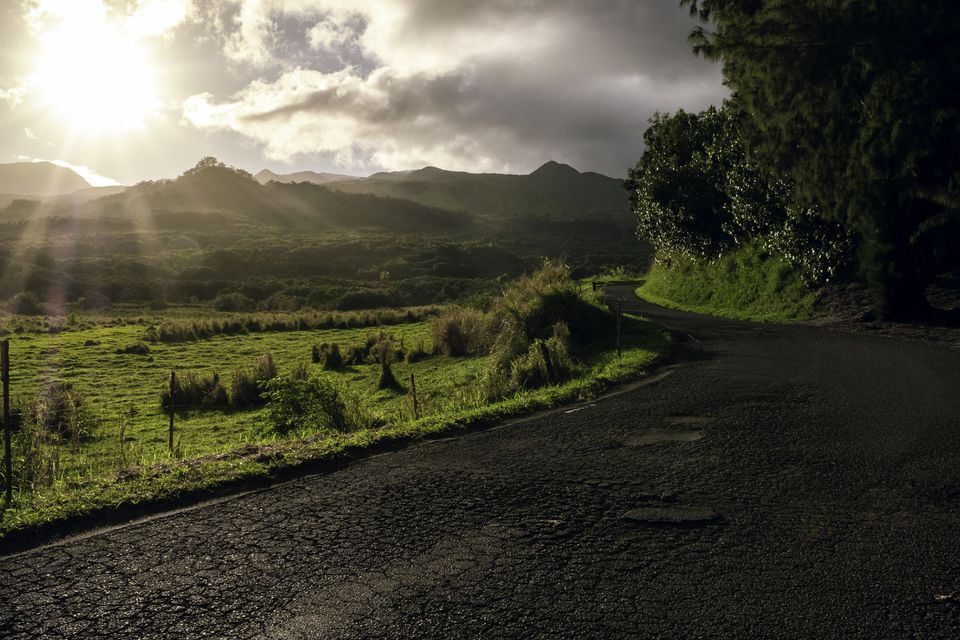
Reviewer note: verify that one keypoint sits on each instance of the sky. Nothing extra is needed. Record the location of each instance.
(130, 90)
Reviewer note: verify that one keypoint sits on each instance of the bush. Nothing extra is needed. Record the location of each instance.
(140, 349)
(233, 302)
(196, 391)
(546, 361)
(328, 355)
(248, 385)
(61, 411)
(25, 304)
(536, 322)
(317, 403)
(460, 332)
(384, 352)
(417, 354)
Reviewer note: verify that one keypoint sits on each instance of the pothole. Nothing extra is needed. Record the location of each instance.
(661, 436)
(686, 419)
(672, 516)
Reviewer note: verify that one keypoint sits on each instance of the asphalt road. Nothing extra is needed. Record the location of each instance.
(777, 482)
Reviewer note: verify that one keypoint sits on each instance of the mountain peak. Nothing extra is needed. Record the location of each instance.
(552, 168)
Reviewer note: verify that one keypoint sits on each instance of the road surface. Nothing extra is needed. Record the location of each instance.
(776, 482)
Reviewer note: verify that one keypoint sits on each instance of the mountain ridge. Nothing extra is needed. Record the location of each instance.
(39, 179)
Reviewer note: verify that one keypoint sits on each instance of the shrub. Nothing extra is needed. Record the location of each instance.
(417, 354)
(25, 304)
(460, 332)
(248, 384)
(300, 372)
(546, 362)
(37, 463)
(530, 308)
(536, 322)
(318, 402)
(60, 410)
(328, 355)
(196, 391)
(233, 302)
(140, 348)
(384, 352)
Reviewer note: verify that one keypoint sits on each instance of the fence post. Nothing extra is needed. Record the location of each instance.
(413, 390)
(7, 453)
(619, 317)
(173, 390)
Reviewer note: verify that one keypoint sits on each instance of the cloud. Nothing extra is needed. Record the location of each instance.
(146, 18)
(14, 95)
(484, 85)
(158, 18)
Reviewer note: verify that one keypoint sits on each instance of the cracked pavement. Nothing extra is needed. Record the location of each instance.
(777, 482)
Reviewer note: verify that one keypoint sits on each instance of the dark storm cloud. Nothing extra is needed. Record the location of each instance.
(487, 85)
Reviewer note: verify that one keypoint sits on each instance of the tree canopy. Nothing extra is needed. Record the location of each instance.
(698, 191)
(856, 102)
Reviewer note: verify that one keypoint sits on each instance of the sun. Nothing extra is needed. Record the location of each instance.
(95, 77)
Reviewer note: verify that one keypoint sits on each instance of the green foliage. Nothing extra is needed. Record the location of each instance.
(317, 403)
(194, 390)
(698, 193)
(25, 303)
(60, 409)
(328, 355)
(233, 302)
(533, 323)
(139, 348)
(384, 352)
(677, 187)
(37, 461)
(417, 353)
(246, 388)
(856, 103)
(748, 283)
(460, 331)
(546, 362)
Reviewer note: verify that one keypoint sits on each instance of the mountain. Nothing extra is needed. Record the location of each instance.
(314, 177)
(214, 196)
(555, 191)
(39, 179)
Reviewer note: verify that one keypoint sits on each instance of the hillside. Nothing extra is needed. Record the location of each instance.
(554, 191)
(39, 179)
(314, 177)
(215, 196)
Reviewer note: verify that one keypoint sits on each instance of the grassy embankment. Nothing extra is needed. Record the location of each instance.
(125, 459)
(746, 284)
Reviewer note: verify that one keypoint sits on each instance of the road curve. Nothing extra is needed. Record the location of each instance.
(788, 482)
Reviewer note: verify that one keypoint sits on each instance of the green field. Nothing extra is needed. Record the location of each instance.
(126, 457)
(124, 389)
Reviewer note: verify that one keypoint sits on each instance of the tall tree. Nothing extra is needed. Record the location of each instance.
(857, 102)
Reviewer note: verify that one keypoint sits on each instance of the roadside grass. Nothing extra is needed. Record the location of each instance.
(747, 284)
(218, 447)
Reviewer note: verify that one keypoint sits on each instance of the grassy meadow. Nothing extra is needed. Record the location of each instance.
(124, 457)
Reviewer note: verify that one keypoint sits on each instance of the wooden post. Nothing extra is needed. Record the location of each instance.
(173, 390)
(7, 452)
(619, 317)
(413, 390)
